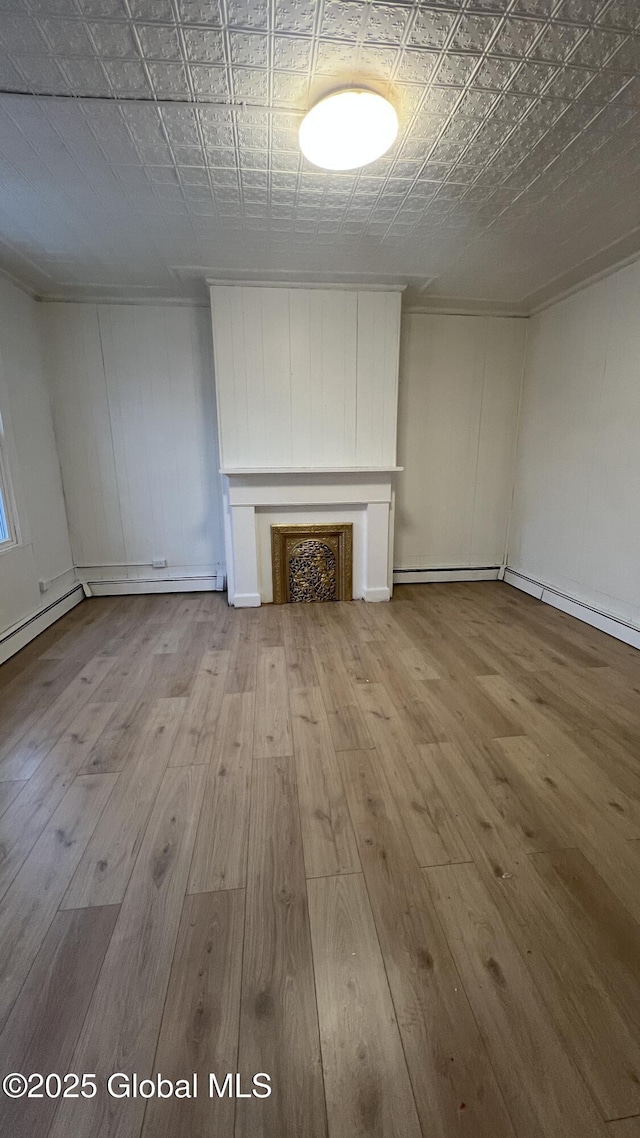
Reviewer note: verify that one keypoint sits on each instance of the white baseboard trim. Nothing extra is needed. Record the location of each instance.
(20, 635)
(374, 596)
(584, 612)
(133, 585)
(246, 601)
(423, 576)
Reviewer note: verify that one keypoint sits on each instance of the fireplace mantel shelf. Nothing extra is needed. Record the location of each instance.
(230, 471)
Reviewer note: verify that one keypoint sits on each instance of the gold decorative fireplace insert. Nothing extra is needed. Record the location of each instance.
(312, 563)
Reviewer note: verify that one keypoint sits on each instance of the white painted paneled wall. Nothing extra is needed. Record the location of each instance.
(135, 420)
(44, 552)
(576, 515)
(459, 387)
(306, 377)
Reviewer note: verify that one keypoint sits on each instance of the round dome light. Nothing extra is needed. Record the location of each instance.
(348, 129)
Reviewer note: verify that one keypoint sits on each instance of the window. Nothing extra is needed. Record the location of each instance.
(8, 532)
(4, 529)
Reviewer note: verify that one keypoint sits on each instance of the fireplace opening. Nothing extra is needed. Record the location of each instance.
(312, 563)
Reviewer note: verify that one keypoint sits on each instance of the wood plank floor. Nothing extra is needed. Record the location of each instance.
(387, 855)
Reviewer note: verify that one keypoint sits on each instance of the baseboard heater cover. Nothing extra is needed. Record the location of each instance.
(447, 573)
(123, 586)
(603, 621)
(21, 634)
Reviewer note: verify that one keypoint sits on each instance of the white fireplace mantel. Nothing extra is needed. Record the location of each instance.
(253, 470)
(258, 497)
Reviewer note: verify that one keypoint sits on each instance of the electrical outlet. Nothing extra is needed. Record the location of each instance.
(159, 563)
(44, 585)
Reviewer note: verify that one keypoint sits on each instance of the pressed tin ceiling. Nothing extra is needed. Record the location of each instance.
(515, 174)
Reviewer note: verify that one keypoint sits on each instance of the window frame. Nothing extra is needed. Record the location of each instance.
(8, 500)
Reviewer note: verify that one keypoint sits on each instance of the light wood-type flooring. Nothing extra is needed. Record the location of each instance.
(388, 855)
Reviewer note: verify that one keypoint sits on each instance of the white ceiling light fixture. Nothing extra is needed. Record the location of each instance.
(348, 129)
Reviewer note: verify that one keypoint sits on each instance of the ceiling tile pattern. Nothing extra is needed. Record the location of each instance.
(171, 148)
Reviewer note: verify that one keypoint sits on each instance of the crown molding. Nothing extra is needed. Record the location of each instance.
(340, 286)
(452, 307)
(20, 284)
(197, 279)
(147, 301)
(601, 266)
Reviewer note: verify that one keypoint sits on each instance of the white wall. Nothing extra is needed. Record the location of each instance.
(459, 387)
(135, 419)
(44, 552)
(576, 516)
(306, 377)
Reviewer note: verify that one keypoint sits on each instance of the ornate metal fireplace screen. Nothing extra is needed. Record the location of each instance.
(311, 563)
